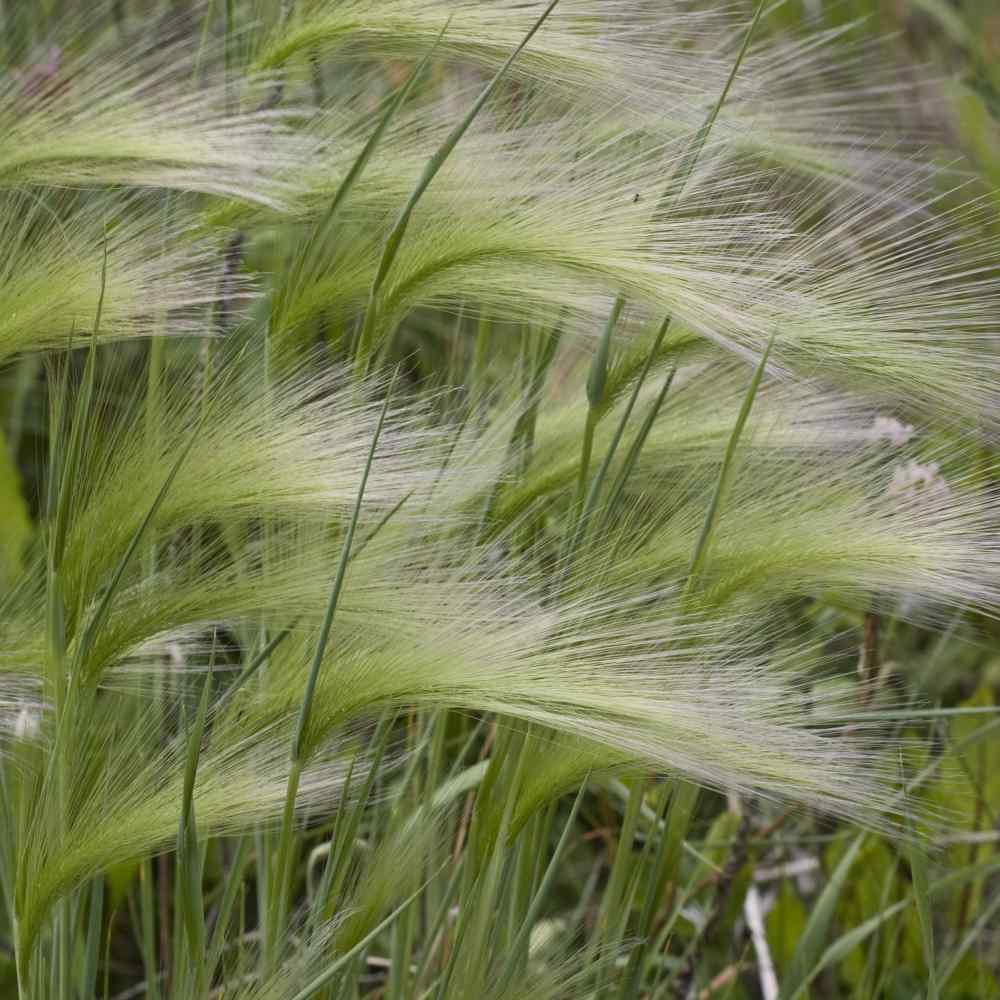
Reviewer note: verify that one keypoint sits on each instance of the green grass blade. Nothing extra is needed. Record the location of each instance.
(694, 151)
(985, 920)
(598, 374)
(79, 431)
(288, 288)
(345, 554)
(382, 522)
(712, 514)
(330, 973)
(92, 943)
(540, 896)
(189, 864)
(431, 168)
(258, 661)
(99, 616)
(921, 893)
(230, 892)
(634, 970)
(809, 949)
(597, 483)
(279, 897)
(845, 944)
(596, 380)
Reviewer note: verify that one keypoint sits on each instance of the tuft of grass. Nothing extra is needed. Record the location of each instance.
(510, 509)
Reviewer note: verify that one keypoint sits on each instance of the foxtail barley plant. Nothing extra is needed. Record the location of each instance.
(499, 501)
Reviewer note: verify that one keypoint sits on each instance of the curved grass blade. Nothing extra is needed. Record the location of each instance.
(433, 165)
(288, 288)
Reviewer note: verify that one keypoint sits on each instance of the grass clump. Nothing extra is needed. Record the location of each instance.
(500, 501)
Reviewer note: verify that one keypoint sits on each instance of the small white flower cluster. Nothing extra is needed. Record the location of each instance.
(891, 430)
(919, 481)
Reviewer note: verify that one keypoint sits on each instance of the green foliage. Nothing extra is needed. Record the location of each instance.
(499, 500)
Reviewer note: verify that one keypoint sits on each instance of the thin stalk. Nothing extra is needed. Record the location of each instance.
(279, 899)
(694, 151)
(154, 445)
(535, 908)
(334, 968)
(614, 904)
(258, 661)
(324, 635)
(65, 468)
(383, 521)
(189, 863)
(635, 449)
(596, 382)
(147, 911)
(712, 513)
(594, 490)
